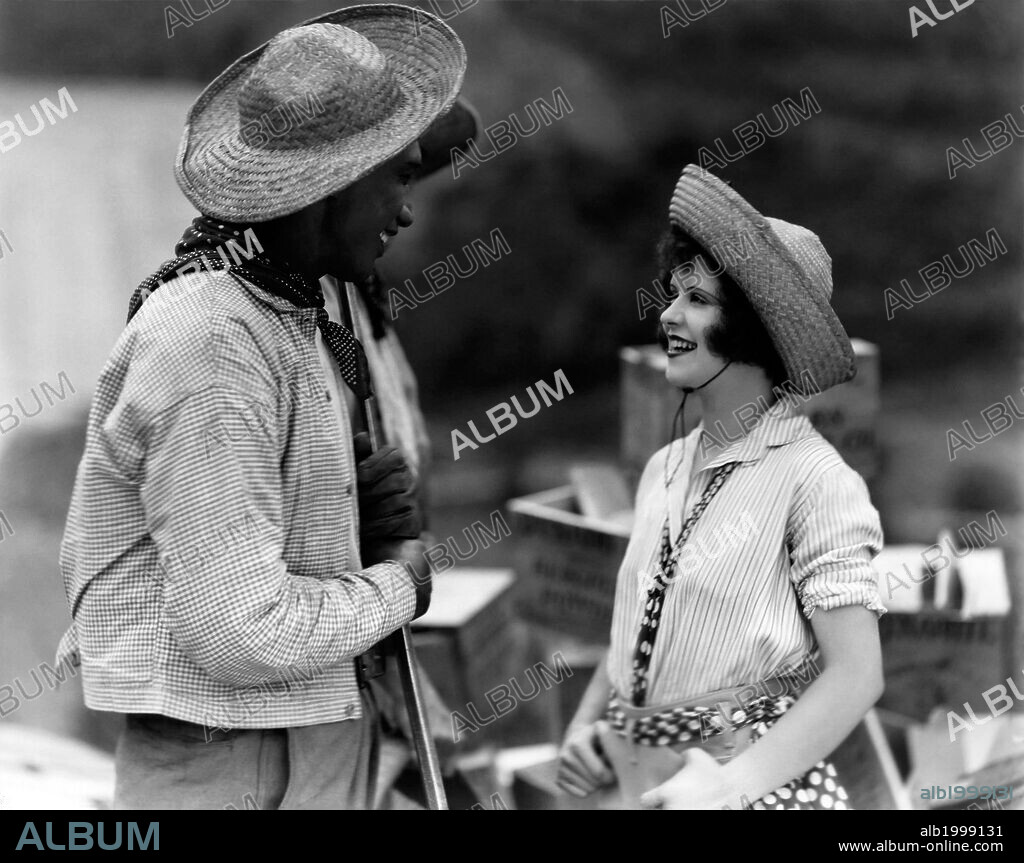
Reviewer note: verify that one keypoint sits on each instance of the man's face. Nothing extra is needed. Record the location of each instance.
(359, 221)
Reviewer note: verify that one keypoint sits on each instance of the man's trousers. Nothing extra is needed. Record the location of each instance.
(164, 763)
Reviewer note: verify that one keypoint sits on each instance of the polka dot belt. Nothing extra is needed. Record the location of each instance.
(699, 722)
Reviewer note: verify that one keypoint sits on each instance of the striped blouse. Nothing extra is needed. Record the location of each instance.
(791, 530)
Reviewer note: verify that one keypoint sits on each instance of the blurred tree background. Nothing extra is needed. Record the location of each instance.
(582, 201)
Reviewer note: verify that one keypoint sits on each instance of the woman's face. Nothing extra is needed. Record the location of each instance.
(696, 306)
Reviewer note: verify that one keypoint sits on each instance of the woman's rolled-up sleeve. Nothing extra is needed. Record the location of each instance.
(834, 533)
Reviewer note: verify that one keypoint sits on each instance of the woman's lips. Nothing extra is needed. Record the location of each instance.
(677, 346)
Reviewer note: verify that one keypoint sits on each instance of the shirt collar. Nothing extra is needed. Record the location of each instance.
(778, 426)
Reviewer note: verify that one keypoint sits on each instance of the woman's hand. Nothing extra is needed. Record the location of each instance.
(700, 784)
(582, 767)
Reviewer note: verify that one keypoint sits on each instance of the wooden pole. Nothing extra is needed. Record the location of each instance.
(404, 651)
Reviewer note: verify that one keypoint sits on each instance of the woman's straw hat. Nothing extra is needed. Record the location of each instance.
(316, 108)
(783, 270)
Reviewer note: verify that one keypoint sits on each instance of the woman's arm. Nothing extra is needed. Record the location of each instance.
(833, 533)
(826, 713)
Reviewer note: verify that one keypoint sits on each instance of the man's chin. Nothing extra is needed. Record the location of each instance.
(350, 272)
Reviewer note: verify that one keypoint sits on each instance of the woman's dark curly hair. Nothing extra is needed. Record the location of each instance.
(740, 337)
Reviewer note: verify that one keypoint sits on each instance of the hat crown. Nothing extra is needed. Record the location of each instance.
(320, 82)
(808, 251)
(315, 109)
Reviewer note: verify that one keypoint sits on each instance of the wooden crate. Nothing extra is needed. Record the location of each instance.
(534, 787)
(846, 415)
(868, 769)
(934, 657)
(468, 641)
(566, 564)
(583, 658)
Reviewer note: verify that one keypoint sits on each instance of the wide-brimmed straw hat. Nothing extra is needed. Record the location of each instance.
(316, 108)
(782, 269)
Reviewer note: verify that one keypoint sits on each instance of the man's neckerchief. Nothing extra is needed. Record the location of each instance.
(208, 244)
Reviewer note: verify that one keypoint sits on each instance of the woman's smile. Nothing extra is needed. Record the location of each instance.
(695, 309)
(678, 346)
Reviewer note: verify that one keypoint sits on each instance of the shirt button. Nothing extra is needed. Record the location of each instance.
(327, 395)
(348, 489)
(350, 709)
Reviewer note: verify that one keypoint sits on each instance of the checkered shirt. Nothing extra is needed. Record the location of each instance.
(210, 557)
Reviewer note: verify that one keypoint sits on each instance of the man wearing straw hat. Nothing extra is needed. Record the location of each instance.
(396, 392)
(228, 554)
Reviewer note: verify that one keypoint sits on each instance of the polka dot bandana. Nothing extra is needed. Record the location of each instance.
(655, 595)
(211, 245)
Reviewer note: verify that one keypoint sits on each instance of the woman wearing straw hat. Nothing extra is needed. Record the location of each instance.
(746, 604)
(228, 554)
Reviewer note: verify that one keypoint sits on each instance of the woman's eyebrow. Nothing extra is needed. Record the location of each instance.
(708, 293)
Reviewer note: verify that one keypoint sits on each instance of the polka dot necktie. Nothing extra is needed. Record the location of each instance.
(205, 246)
(668, 557)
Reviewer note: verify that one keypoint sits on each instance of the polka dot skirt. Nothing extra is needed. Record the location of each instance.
(819, 788)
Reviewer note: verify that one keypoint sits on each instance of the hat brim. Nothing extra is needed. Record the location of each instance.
(793, 306)
(225, 177)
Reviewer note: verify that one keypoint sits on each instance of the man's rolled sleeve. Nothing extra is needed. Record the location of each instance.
(834, 534)
(216, 516)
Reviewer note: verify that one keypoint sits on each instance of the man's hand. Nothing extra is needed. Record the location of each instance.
(389, 515)
(410, 554)
(388, 508)
(582, 767)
